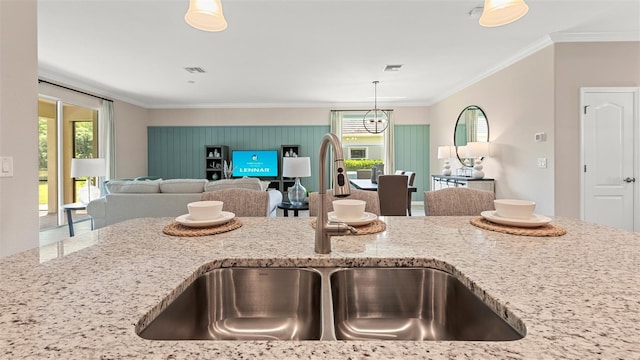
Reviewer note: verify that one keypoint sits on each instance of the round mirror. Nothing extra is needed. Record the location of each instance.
(472, 126)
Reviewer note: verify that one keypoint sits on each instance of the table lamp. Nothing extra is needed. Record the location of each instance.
(477, 150)
(88, 168)
(296, 167)
(445, 152)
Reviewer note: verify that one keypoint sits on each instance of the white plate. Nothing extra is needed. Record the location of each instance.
(365, 219)
(535, 220)
(224, 217)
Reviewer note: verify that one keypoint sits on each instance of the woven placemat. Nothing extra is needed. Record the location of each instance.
(177, 229)
(373, 227)
(544, 230)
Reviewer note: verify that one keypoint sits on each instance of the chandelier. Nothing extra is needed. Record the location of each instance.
(375, 120)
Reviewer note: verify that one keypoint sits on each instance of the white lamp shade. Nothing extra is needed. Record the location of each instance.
(88, 167)
(445, 152)
(462, 151)
(206, 15)
(477, 149)
(502, 12)
(296, 167)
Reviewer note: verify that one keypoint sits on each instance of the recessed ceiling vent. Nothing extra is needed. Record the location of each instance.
(392, 68)
(195, 70)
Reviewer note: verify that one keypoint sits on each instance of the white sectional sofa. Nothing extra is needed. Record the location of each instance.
(129, 199)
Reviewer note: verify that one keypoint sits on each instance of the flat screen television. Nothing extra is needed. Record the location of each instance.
(255, 163)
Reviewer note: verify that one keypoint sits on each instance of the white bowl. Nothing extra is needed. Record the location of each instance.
(349, 209)
(204, 210)
(514, 209)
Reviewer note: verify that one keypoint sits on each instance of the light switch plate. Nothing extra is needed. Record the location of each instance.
(542, 163)
(540, 137)
(6, 166)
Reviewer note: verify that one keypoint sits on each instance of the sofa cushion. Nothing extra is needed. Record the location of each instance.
(133, 186)
(244, 183)
(183, 186)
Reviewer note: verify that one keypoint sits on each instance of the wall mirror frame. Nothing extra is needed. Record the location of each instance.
(472, 126)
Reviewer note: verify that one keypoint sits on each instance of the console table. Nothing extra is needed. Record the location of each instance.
(443, 181)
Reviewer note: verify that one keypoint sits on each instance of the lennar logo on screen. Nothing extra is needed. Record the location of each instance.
(255, 170)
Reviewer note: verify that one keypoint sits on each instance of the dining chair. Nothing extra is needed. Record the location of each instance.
(392, 193)
(411, 176)
(363, 174)
(399, 172)
(457, 201)
(370, 197)
(241, 202)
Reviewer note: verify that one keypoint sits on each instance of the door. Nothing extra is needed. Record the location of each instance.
(609, 131)
(65, 131)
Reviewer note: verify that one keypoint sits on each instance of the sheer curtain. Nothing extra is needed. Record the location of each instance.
(108, 142)
(389, 146)
(471, 119)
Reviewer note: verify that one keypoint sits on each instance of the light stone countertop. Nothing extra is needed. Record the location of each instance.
(578, 295)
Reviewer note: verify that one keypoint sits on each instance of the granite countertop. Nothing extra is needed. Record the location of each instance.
(578, 294)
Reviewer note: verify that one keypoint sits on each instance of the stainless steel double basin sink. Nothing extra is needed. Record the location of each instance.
(329, 304)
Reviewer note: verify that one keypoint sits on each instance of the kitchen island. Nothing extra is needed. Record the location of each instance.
(84, 298)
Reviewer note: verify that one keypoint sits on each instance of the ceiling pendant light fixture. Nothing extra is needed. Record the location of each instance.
(375, 120)
(502, 12)
(206, 15)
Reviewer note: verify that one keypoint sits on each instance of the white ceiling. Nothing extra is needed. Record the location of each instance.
(299, 53)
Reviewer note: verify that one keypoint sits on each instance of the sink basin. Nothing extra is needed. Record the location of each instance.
(411, 304)
(329, 304)
(244, 304)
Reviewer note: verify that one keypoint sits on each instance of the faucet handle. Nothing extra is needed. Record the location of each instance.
(341, 227)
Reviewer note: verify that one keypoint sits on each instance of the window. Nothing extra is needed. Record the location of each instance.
(357, 153)
(65, 131)
(361, 149)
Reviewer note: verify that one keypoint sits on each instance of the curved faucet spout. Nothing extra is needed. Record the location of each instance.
(324, 230)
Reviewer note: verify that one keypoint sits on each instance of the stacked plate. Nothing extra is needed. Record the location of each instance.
(365, 219)
(514, 212)
(534, 221)
(224, 217)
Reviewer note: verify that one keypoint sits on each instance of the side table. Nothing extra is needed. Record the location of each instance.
(286, 206)
(70, 207)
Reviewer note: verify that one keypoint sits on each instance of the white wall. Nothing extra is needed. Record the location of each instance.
(578, 65)
(19, 125)
(518, 102)
(131, 139)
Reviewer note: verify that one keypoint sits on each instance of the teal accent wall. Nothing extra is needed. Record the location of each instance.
(178, 151)
(412, 154)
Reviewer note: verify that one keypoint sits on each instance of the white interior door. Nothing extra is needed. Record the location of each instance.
(609, 130)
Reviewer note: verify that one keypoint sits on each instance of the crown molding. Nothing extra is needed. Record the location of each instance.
(595, 36)
(526, 52)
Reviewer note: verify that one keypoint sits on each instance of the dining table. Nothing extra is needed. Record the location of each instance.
(366, 184)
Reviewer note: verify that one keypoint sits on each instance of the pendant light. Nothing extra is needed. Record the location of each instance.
(375, 120)
(502, 12)
(206, 15)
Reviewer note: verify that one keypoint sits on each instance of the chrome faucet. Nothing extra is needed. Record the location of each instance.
(324, 229)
